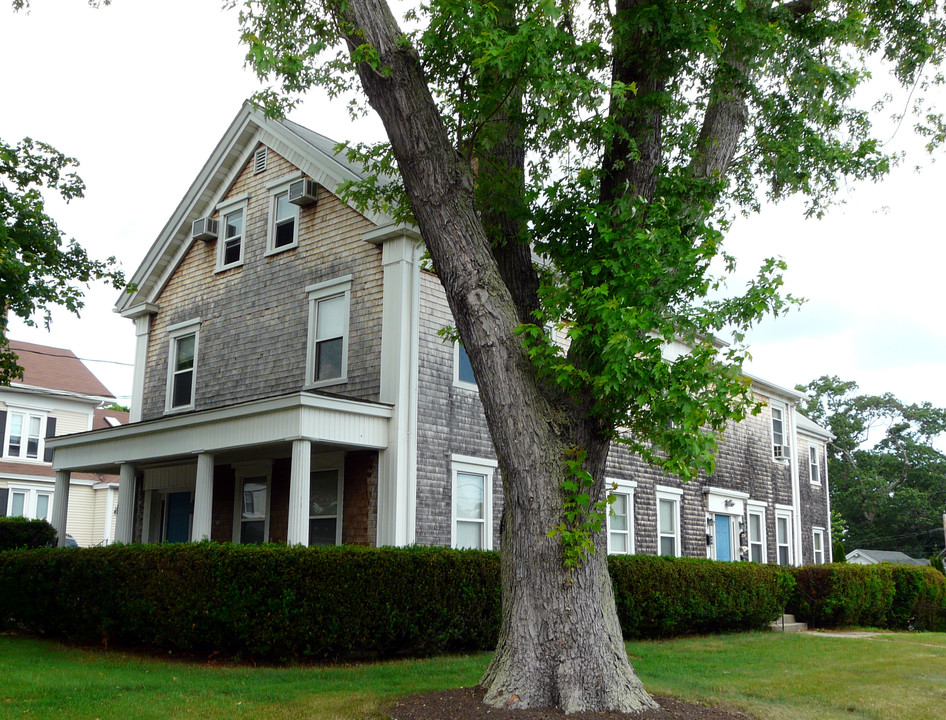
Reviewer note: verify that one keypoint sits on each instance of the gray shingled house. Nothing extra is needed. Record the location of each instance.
(290, 385)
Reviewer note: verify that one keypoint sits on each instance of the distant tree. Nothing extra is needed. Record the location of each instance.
(118, 408)
(888, 482)
(37, 269)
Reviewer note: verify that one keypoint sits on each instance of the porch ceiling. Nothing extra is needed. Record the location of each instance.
(324, 420)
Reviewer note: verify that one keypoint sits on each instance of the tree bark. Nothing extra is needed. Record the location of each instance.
(560, 641)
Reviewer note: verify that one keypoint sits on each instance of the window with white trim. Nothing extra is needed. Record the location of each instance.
(462, 369)
(325, 502)
(182, 366)
(231, 243)
(252, 509)
(29, 502)
(817, 546)
(756, 532)
(327, 351)
(779, 444)
(23, 439)
(783, 537)
(472, 506)
(668, 520)
(814, 465)
(283, 231)
(621, 517)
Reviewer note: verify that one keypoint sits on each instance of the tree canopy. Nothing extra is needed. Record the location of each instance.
(38, 269)
(887, 479)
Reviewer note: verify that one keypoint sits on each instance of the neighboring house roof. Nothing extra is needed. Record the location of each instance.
(879, 556)
(23, 471)
(57, 369)
(810, 427)
(312, 153)
(105, 418)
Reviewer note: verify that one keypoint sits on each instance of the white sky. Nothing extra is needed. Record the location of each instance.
(141, 91)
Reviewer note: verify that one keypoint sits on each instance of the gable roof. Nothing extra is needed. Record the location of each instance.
(891, 556)
(107, 418)
(309, 151)
(56, 369)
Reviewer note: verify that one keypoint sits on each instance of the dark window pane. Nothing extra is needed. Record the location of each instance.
(328, 359)
(32, 447)
(465, 370)
(231, 252)
(181, 393)
(322, 531)
(252, 532)
(285, 234)
(323, 492)
(185, 353)
(14, 448)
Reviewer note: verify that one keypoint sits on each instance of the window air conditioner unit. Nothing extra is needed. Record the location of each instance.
(783, 451)
(204, 229)
(303, 191)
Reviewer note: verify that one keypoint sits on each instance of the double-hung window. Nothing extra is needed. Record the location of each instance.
(814, 465)
(182, 365)
(29, 502)
(283, 232)
(779, 446)
(621, 517)
(252, 504)
(232, 240)
(668, 520)
(327, 351)
(817, 546)
(325, 493)
(472, 506)
(756, 515)
(783, 536)
(24, 435)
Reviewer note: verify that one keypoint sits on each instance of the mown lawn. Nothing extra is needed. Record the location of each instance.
(775, 677)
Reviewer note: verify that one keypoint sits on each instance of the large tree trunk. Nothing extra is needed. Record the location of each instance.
(560, 640)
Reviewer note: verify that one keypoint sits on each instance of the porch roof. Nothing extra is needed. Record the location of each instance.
(324, 419)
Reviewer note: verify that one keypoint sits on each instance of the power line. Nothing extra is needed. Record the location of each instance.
(70, 357)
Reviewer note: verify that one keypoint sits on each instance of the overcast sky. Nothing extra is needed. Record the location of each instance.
(141, 91)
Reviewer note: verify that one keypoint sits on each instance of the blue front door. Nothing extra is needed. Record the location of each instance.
(178, 517)
(723, 538)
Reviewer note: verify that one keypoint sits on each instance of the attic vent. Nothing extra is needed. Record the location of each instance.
(259, 160)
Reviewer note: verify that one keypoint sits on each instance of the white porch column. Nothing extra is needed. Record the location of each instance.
(299, 489)
(396, 472)
(203, 498)
(61, 505)
(126, 503)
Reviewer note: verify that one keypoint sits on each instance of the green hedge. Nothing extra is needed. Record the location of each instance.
(18, 532)
(663, 596)
(883, 595)
(276, 603)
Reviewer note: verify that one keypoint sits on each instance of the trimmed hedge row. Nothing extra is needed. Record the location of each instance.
(664, 596)
(273, 602)
(19, 532)
(884, 595)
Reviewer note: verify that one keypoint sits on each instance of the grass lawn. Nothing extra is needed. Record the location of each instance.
(775, 677)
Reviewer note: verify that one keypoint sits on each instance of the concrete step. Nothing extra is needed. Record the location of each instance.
(787, 623)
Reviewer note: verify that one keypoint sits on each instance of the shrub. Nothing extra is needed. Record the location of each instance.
(883, 595)
(18, 532)
(664, 596)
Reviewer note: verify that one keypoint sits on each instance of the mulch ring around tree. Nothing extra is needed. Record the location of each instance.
(467, 704)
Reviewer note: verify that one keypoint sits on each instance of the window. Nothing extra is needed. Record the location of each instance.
(621, 518)
(231, 243)
(327, 352)
(815, 476)
(462, 369)
(252, 526)
(29, 502)
(325, 491)
(24, 435)
(779, 446)
(757, 534)
(283, 232)
(668, 520)
(817, 546)
(182, 365)
(472, 525)
(783, 537)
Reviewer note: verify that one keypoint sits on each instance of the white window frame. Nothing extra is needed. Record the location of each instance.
(757, 509)
(277, 188)
(27, 414)
(327, 290)
(31, 495)
(626, 488)
(777, 447)
(674, 495)
(228, 207)
(787, 515)
(175, 333)
(457, 382)
(246, 471)
(473, 466)
(338, 465)
(816, 533)
(814, 465)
